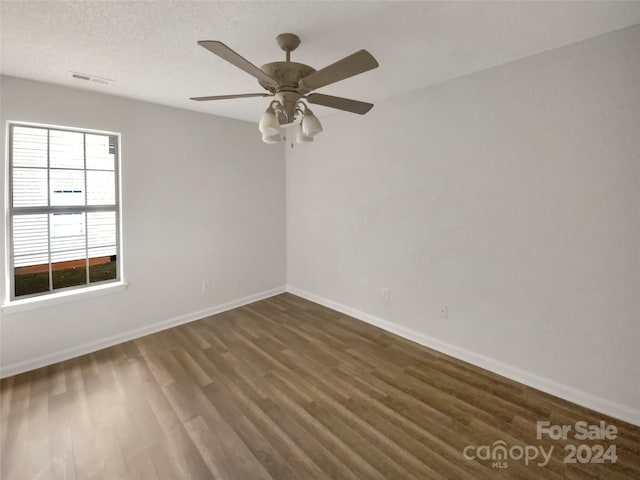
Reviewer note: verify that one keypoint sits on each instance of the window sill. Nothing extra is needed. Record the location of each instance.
(62, 297)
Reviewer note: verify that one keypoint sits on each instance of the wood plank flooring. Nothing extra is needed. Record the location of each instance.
(282, 389)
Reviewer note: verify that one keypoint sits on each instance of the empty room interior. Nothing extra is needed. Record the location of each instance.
(319, 240)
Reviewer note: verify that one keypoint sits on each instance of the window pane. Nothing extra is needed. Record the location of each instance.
(102, 264)
(28, 280)
(68, 250)
(30, 239)
(101, 188)
(67, 187)
(102, 246)
(68, 268)
(31, 256)
(101, 227)
(30, 187)
(66, 149)
(99, 154)
(67, 233)
(29, 147)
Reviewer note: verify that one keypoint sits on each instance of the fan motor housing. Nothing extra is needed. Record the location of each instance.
(287, 74)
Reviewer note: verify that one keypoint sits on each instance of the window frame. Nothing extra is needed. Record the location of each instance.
(12, 211)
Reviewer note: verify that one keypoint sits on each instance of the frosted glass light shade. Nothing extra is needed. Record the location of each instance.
(272, 138)
(310, 124)
(301, 137)
(269, 124)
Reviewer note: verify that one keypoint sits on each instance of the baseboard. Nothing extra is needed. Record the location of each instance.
(616, 410)
(51, 358)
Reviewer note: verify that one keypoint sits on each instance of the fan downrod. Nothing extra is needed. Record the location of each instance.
(288, 42)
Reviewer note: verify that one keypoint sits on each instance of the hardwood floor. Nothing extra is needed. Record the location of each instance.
(283, 389)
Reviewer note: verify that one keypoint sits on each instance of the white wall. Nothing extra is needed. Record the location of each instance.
(511, 195)
(202, 198)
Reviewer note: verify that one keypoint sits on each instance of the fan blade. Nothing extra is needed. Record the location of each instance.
(359, 62)
(340, 103)
(226, 97)
(232, 57)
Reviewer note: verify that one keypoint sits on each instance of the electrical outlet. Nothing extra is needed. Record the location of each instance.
(444, 312)
(206, 285)
(386, 294)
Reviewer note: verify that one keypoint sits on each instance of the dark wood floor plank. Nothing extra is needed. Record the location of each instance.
(249, 400)
(184, 454)
(259, 446)
(294, 399)
(281, 389)
(423, 445)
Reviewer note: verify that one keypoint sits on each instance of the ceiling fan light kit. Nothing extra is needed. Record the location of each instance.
(272, 137)
(310, 124)
(269, 124)
(291, 83)
(300, 136)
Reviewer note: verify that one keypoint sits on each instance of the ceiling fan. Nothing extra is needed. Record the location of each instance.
(290, 83)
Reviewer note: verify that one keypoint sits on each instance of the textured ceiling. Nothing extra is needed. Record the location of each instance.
(149, 47)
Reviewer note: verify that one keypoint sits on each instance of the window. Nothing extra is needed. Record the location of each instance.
(64, 213)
